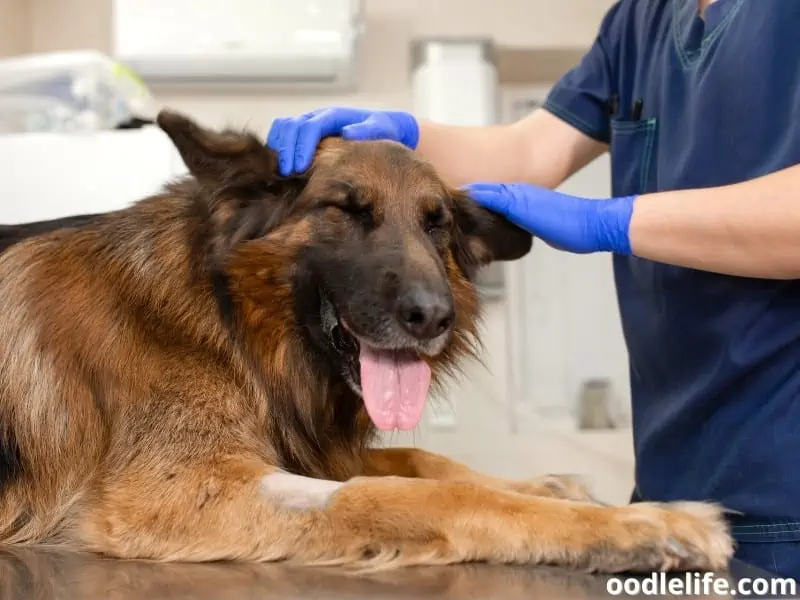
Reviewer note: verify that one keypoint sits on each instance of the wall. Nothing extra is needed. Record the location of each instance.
(391, 25)
(15, 26)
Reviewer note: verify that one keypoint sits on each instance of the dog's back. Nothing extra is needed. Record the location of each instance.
(79, 361)
(11, 464)
(13, 234)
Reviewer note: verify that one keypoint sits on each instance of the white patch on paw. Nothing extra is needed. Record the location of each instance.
(298, 492)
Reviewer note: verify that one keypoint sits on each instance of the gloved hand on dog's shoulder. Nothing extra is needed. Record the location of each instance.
(295, 139)
(569, 223)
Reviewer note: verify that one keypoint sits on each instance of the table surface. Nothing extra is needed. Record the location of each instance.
(27, 573)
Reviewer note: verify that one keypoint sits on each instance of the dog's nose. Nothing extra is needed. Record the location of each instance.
(424, 313)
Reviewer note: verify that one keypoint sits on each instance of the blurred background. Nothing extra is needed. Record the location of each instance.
(79, 80)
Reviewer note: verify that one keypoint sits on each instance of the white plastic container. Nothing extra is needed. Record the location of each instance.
(69, 92)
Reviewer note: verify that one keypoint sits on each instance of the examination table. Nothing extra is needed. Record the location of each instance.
(35, 574)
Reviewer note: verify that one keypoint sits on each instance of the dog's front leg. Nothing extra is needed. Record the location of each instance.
(412, 462)
(243, 509)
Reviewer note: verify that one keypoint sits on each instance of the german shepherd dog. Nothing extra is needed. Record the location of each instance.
(200, 377)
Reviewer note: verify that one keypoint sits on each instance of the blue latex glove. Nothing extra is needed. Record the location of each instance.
(578, 225)
(295, 139)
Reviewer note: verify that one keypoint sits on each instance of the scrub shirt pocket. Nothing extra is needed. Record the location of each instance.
(633, 153)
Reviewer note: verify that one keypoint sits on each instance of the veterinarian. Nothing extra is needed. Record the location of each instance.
(698, 103)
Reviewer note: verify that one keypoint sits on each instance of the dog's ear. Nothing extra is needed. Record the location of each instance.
(483, 236)
(219, 157)
(245, 194)
(242, 192)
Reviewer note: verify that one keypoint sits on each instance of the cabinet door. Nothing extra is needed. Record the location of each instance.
(564, 326)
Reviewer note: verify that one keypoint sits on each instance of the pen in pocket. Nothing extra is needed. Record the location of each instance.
(613, 105)
(636, 112)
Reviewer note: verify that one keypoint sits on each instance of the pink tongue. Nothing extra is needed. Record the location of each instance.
(395, 387)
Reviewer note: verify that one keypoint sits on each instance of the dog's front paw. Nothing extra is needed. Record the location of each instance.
(679, 536)
(564, 487)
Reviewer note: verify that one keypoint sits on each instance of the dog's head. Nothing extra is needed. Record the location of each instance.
(379, 256)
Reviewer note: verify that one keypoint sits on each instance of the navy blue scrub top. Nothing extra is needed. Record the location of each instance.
(686, 102)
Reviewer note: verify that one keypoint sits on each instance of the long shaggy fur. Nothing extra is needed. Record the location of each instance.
(162, 395)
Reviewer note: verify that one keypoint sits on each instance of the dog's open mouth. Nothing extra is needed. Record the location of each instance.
(393, 383)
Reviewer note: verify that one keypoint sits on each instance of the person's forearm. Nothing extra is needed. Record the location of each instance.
(750, 229)
(461, 154)
(540, 149)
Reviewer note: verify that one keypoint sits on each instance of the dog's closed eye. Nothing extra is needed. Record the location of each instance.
(347, 198)
(437, 220)
(362, 212)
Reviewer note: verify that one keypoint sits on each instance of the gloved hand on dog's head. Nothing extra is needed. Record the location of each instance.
(295, 139)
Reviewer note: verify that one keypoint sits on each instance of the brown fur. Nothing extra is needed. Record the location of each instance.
(153, 374)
